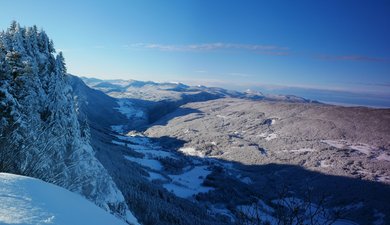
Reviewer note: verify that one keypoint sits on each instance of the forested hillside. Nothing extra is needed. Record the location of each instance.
(40, 135)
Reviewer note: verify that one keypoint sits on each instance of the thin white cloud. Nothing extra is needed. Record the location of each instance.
(268, 49)
(356, 58)
(271, 50)
(372, 91)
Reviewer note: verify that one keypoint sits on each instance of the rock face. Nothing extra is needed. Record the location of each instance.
(40, 133)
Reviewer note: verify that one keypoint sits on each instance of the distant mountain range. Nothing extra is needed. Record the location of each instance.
(158, 99)
(149, 90)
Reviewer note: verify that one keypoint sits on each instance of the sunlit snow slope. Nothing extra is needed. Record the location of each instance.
(25, 200)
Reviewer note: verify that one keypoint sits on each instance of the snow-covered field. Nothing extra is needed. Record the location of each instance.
(150, 163)
(267, 136)
(363, 148)
(25, 200)
(344, 144)
(191, 152)
(155, 176)
(183, 185)
(118, 128)
(384, 157)
(126, 108)
(142, 145)
(301, 150)
(189, 183)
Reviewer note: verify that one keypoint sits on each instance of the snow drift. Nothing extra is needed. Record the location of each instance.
(26, 200)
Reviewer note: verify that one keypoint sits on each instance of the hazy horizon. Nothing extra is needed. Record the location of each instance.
(333, 97)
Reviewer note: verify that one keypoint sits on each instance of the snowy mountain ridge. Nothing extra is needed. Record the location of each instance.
(173, 91)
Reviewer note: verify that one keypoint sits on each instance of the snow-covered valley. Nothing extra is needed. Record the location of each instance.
(184, 183)
(201, 161)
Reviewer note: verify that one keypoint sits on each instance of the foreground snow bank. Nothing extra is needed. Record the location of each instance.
(25, 200)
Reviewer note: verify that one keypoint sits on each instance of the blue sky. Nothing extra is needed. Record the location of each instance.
(274, 45)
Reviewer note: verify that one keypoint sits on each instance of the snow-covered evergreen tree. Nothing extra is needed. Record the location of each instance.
(40, 135)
